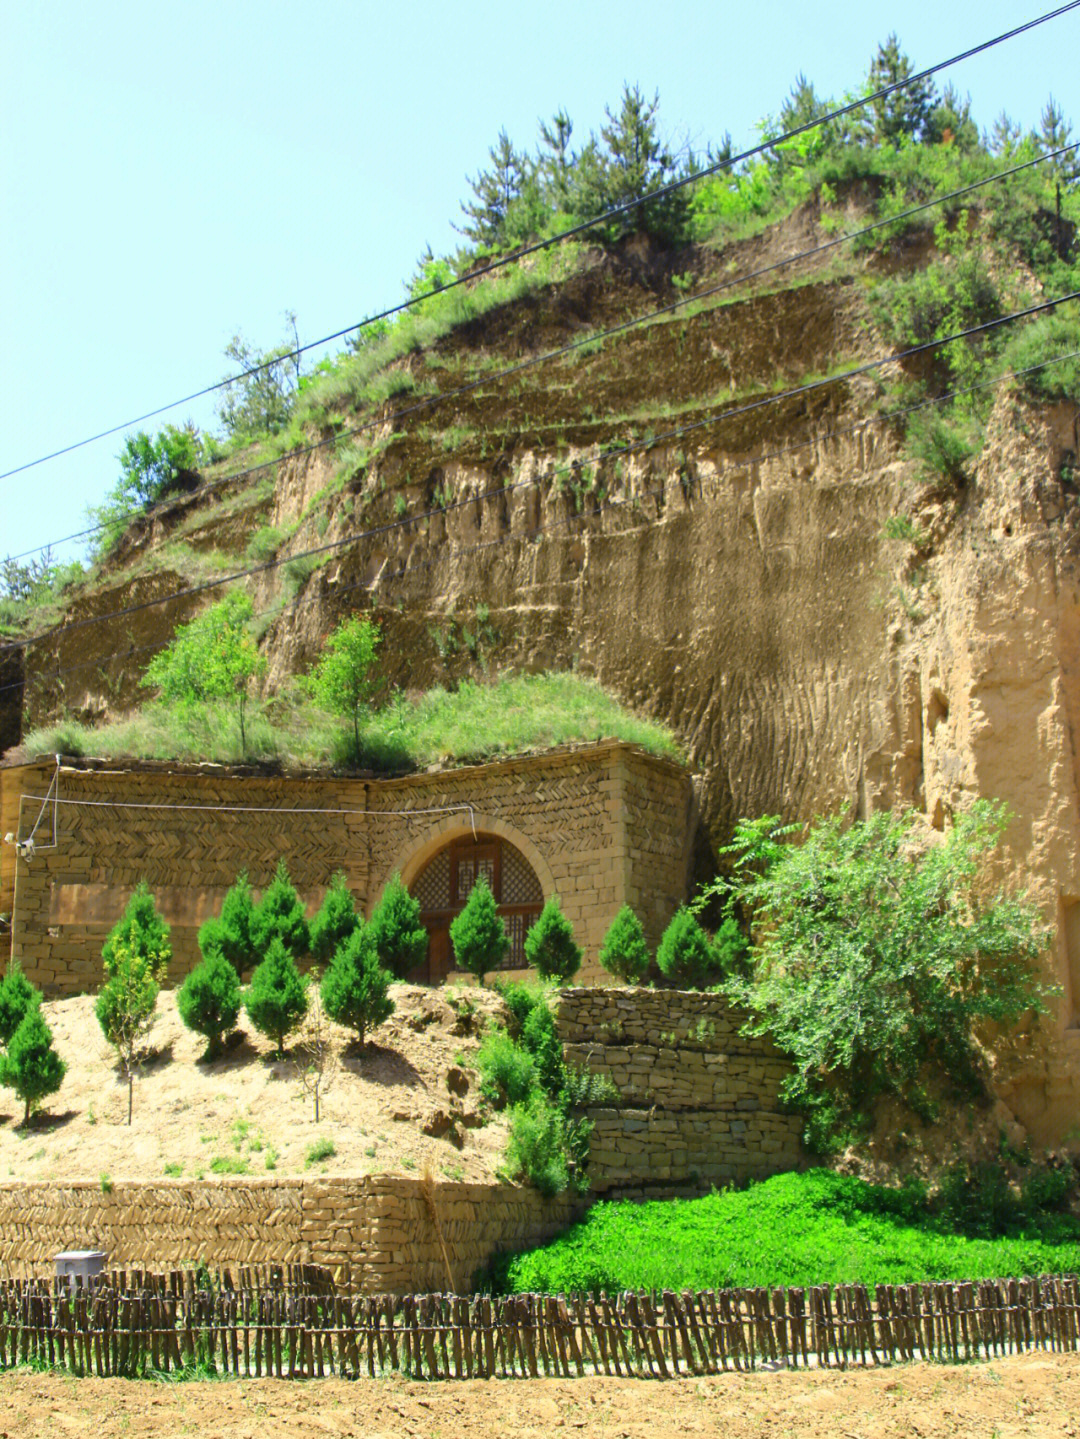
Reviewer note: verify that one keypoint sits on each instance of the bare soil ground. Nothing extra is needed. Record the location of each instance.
(248, 1113)
(1032, 1395)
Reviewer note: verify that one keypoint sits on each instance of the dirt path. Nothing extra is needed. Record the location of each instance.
(1034, 1395)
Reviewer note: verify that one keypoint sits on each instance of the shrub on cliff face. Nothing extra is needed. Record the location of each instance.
(624, 952)
(550, 945)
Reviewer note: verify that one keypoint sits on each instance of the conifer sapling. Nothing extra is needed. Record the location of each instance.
(478, 934)
(17, 996)
(126, 1005)
(276, 1000)
(400, 938)
(335, 921)
(624, 952)
(280, 915)
(685, 955)
(142, 929)
(355, 987)
(550, 946)
(234, 936)
(31, 1066)
(209, 1001)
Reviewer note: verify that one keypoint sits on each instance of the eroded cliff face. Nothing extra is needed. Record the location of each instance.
(736, 582)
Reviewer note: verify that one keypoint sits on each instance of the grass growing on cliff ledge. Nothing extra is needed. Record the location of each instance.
(801, 1229)
(477, 721)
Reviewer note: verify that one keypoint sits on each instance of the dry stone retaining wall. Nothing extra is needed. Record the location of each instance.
(380, 1233)
(698, 1104)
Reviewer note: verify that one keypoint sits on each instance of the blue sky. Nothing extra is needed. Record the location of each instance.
(172, 173)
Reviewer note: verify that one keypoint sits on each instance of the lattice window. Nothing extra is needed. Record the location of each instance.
(470, 868)
(519, 884)
(517, 926)
(432, 888)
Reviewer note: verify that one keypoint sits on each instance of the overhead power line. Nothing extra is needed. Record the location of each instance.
(547, 527)
(866, 367)
(593, 338)
(582, 227)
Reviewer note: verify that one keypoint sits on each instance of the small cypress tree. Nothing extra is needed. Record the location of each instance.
(550, 944)
(400, 939)
(335, 921)
(685, 955)
(126, 1005)
(276, 1000)
(237, 911)
(354, 988)
(730, 948)
(31, 1067)
(17, 996)
(478, 934)
(142, 929)
(209, 1001)
(624, 952)
(280, 915)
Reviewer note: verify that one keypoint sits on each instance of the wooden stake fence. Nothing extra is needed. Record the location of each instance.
(289, 1323)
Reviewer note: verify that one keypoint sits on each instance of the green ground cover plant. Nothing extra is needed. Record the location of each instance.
(512, 714)
(794, 1229)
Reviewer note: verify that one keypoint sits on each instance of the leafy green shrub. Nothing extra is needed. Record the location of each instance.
(319, 1152)
(624, 952)
(545, 1146)
(520, 998)
(944, 443)
(685, 956)
(142, 929)
(550, 946)
(931, 952)
(31, 1067)
(730, 948)
(355, 987)
(17, 997)
(540, 1037)
(126, 1005)
(209, 1001)
(583, 1089)
(477, 934)
(400, 939)
(815, 1227)
(280, 915)
(335, 921)
(507, 1071)
(276, 1000)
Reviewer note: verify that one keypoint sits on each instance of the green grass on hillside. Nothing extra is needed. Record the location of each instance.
(794, 1229)
(477, 721)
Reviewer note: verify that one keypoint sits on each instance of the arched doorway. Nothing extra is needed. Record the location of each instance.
(445, 883)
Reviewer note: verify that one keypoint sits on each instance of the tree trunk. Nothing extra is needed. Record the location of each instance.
(26, 1116)
(131, 1092)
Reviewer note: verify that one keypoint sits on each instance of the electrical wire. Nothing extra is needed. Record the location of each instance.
(547, 527)
(614, 213)
(594, 338)
(606, 455)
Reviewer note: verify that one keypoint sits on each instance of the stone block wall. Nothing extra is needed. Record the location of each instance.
(698, 1105)
(379, 1234)
(188, 830)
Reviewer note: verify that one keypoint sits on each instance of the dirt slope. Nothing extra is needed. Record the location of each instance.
(249, 1112)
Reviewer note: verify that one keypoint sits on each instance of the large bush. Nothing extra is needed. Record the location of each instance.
(550, 946)
(478, 934)
(355, 989)
(400, 938)
(276, 1001)
(879, 954)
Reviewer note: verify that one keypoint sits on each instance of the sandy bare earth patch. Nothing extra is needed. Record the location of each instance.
(248, 1113)
(1034, 1395)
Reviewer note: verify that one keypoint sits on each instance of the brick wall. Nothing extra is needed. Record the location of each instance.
(698, 1104)
(378, 1233)
(600, 824)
